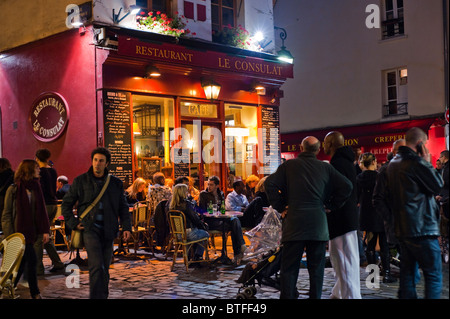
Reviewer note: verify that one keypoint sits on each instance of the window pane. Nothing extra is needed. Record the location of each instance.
(227, 17)
(389, 5)
(227, 3)
(215, 15)
(154, 118)
(214, 1)
(392, 93)
(159, 5)
(399, 4)
(141, 3)
(391, 78)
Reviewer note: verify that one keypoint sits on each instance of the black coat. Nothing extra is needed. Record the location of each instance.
(254, 212)
(344, 219)
(306, 185)
(83, 191)
(412, 185)
(369, 219)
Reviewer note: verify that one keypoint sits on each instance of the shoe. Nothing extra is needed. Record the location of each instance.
(388, 278)
(38, 296)
(57, 267)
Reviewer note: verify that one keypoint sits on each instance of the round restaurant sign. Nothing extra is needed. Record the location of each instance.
(49, 116)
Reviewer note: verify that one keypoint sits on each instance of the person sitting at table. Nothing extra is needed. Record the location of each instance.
(62, 186)
(250, 187)
(214, 195)
(195, 227)
(254, 212)
(236, 200)
(136, 192)
(158, 191)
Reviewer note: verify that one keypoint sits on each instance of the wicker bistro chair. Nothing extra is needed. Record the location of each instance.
(177, 222)
(140, 223)
(13, 249)
(61, 228)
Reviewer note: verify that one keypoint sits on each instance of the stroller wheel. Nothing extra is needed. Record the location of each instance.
(241, 296)
(249, 292)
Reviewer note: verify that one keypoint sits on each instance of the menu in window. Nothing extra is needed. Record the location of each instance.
(270, 122)
(118, 130)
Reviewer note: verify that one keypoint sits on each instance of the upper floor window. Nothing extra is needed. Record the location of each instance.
(223, 13)
(393, 23)
(154, 5)
(395, 92)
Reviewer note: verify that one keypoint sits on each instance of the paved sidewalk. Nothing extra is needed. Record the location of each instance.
(151, 278)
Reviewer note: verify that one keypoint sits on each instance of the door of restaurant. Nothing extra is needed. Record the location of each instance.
(205, 149)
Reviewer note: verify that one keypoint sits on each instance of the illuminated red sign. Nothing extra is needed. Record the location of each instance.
(49, 116)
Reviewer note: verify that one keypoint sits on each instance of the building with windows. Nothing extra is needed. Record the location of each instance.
(181, 87)
(371, 69)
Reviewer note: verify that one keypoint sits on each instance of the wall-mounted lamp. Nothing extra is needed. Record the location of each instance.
(151, 71)
(259, 88)
(284, 55)
(212, 89)
(132, 10)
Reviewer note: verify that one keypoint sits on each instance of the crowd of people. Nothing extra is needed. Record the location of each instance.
(348, 207)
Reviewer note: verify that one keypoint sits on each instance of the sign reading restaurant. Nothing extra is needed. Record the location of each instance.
(49, 116)
(166, 52)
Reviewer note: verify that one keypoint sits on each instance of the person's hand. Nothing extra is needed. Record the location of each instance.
(45, 238)
(126, 235)
(284, 212)
(80, 226)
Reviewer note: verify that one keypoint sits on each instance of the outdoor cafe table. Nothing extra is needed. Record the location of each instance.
(228, 214)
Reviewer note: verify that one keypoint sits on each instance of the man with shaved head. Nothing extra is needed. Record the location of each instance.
(343, 223)
(302, 188)
(412, 184)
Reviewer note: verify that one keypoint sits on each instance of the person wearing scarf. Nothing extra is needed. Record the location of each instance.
(25, 213)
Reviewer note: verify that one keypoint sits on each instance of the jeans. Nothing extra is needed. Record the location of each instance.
(196, 234)
(291, 257)
(99, 252)
(232, 224)
(425, 252)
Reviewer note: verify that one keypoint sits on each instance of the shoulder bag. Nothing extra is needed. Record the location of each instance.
(76, 241)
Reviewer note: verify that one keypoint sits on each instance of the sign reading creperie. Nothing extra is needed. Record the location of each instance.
(207, 59)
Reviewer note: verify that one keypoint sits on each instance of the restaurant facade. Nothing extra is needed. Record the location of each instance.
(149, 98)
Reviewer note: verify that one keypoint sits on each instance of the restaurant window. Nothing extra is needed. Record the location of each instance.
(393, 23)
(153, 119)
(222, 14)
(396, 92)
(154, 5)
(241, 139)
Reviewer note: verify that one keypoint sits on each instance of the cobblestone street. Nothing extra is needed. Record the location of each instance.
(149, 277)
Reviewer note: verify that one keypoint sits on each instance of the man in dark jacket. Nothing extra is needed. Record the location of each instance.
(300, 189)
(101, 224)
(343, 224)
(412, 184)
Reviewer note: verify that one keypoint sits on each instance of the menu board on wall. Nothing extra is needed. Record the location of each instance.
(181, 165)
(150, 166)
(270, 121)
(118, 130)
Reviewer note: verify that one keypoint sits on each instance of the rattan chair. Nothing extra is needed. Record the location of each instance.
(140, 223)
(177, 222)
(13, 249)
(61, 228)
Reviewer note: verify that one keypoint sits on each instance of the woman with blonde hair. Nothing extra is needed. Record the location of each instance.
(250, 185)
(25, 213)
(136, 192)
(195, 227)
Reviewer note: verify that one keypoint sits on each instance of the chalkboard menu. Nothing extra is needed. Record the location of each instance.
(181, 163)
(150, 166)
(270, 121)
(118, 130)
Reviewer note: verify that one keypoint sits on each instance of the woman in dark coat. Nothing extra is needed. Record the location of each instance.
(370, 221)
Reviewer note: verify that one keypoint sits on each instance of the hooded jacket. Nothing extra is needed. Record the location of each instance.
(344, 219)
(412, 185)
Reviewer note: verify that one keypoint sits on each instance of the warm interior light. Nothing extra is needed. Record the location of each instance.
(136, 129)
(152, 71)
(237, 131)
(404, 73)
(211, 89)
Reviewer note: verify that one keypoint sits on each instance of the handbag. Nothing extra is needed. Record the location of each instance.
(76, 241)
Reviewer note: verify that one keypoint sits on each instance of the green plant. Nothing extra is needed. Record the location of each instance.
(235, 36)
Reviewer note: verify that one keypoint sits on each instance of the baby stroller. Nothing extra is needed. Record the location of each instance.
(265, 248)
(259, 272)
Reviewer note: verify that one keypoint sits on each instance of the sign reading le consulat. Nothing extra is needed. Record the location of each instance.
(49, 116)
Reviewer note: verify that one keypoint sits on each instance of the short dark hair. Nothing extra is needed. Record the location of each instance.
(445, 154)
(237, 183)
(181, 180)
(415, 134)
(103, 151)
(43, 154)
(215, 179)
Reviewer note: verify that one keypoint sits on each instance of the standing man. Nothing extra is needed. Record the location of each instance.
(300, 189)
(343, 224)
(101, 225)
(412, 185)
(48, 185)
(442, 198)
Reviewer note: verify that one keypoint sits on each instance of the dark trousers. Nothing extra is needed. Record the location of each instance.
(291, 257)
(28, 266)
(384, 249)
(99, 252)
